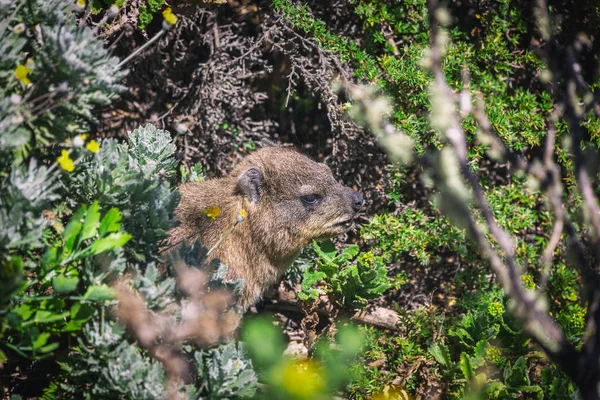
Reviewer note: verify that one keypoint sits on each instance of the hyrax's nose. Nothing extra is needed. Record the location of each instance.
(357, 200)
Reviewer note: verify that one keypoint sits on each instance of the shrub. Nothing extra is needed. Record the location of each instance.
(82, 227)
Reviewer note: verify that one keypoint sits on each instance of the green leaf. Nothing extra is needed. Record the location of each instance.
(110, 223)
(49, 348)
(73, 228)
(24, 311)
(44, 317)
(325, 250)
(517, 375)
(80, 314)
(348, 253)
(466, 367)
(441, 354)
(81, 311)
(51, 258)
(90, 224)
(99, 293)
(40, 340)
(480, 348)
(265, 341)
(64, 284)
(111, 242)
(535, 389)
(304, 296)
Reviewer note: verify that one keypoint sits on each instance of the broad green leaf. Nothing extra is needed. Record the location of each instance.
(348, 253)
(81, 311)
(40, 340)
(111, 242)
(24, 311)
(73, 228)
(99, 293)
(535, 389)
(90, 223)
(49, 348)
(64, 284)
(44, 317)
(325, 250)
(110, 223)
(307, 294)
(350, 340)
(80, 314)
(265, 342)
(441, 354)
(50, 258)
(466, 367)
(517, 374)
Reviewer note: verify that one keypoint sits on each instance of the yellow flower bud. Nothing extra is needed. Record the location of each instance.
(212, 212)
(21, 74)
(169, 17)
(65, 161)
(93, 146)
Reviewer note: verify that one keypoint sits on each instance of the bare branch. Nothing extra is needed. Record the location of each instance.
(536, 320)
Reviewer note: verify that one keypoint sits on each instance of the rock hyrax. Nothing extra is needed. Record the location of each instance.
(289, 200)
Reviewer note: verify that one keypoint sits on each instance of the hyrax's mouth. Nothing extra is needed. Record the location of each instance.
(341, 225)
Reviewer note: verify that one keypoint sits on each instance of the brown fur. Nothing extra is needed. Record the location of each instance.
(269, 185)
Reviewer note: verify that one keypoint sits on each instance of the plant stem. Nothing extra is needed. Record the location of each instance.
(138, 51)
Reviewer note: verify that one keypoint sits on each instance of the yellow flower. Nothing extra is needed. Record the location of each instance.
(528, 281)
(93, 146)
(65, 161)
(81, 3)
(21, 74)
(169, 16)
(301, 379)
(212, 212)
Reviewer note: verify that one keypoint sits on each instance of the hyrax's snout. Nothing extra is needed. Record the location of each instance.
(357, 200)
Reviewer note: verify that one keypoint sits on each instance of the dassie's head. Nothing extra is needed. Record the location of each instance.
(293, 199)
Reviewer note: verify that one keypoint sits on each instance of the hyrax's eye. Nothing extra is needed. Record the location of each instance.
(311, 198)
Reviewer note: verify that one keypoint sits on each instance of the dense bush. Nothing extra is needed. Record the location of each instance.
(82, 222)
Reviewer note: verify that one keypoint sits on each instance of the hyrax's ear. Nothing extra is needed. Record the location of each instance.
(250, 182)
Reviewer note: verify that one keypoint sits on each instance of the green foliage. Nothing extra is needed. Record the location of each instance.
(415, 234)
(147, 12)
(290, 378)
(135, 178)
(36, 319)
(195, 174)
(69, 69)
(227, 372)
(518, 110)
(481, 335)
(480, 339)
(70, 226)
(93, 365)
(117, 368)
(349, 277)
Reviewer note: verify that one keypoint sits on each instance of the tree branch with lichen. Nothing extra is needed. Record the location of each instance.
(460, 190)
